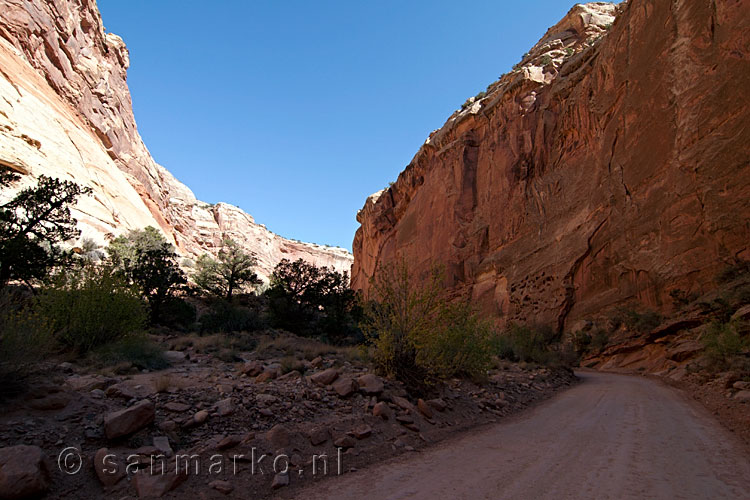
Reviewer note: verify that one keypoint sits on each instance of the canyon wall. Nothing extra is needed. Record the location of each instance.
(610, 166)
(65, 111)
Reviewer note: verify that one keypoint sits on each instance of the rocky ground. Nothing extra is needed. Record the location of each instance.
(241, 423)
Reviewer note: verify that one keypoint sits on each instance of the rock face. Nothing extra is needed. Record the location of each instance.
(610, 166)
(65, 111)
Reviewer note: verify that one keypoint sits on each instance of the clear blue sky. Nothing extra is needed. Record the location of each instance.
(296, 111)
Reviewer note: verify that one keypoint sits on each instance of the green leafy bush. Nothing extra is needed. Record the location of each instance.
(25, 339)
(227, 317)
(637, 321)
(313, 301)
(723, 342)
(91, 306)
(416, 336)
(135, 349)
(532, 344)
(232, 271)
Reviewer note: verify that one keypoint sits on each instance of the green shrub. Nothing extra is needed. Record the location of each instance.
(546, 60)
(25, 339)
(135, 349)
(538, 344)
(600, 339)
(569, 51)
(91, 306)
(737, 269)
(178, 313)
(681, 298)
(416, 336)
(313, 301)
(636, 321)
(724, 341)
(459, 344)
(227, 317)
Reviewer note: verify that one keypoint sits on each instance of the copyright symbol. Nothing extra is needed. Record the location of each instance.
(69, 461)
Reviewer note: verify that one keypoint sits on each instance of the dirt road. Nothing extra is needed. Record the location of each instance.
(612, 436)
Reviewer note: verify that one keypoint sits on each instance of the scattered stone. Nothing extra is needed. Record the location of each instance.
(742, 386)
(200, 417)
(176, 407)
(107, 468)
(317, 362)
(51, 402)
(382, 410)
(161, 443)
(439, 404)
(361, 432)
(345, 442)
(174, 357)
(223, 487)
(23, 472)
(229, 442)
(280, 480)
(319, 435)
(252, 368)
(157, 485)
(743, 396)
(225, 407)
(266, 399)
(86, 383)
(404, 419)
(266, 376)
(345, 387)
(266, 412)
(325, 377)
(124, 422)
(370, 384)
(424, 408)
(404, 404)
(278, 436)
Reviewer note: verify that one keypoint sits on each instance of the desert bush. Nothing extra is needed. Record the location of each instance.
(724, 341)
(532, 344)
(148, 261)
(227, 317)
(416, 336)
(90, 306)
(135, 349)
(719, 309)
(178, 314)
(25, 339)
(739, 268)
(313, 301)
(681, 298)
(459, 344)
(636, 321)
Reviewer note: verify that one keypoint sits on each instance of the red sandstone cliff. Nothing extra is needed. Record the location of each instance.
(65, 111)
(611, 166)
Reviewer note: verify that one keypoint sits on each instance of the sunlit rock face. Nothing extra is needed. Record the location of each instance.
(65, 111)
(611, 165)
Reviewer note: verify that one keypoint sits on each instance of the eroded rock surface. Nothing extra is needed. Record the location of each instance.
(610, 166)
(65, 111)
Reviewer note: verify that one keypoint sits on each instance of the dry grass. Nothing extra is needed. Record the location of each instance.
(303, 348)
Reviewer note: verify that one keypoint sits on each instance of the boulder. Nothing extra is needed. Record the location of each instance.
(319, 435)
(382, 410)
(370, 384)
(124, 422)
(158, 484)
(345, 387)
(108, 468)
(278, 436)
(424, 408)
(326, 377)
(24, 472)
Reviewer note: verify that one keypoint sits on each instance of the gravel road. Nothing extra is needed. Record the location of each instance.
(610, 437)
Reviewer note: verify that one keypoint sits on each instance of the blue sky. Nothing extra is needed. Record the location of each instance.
(296, 111)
